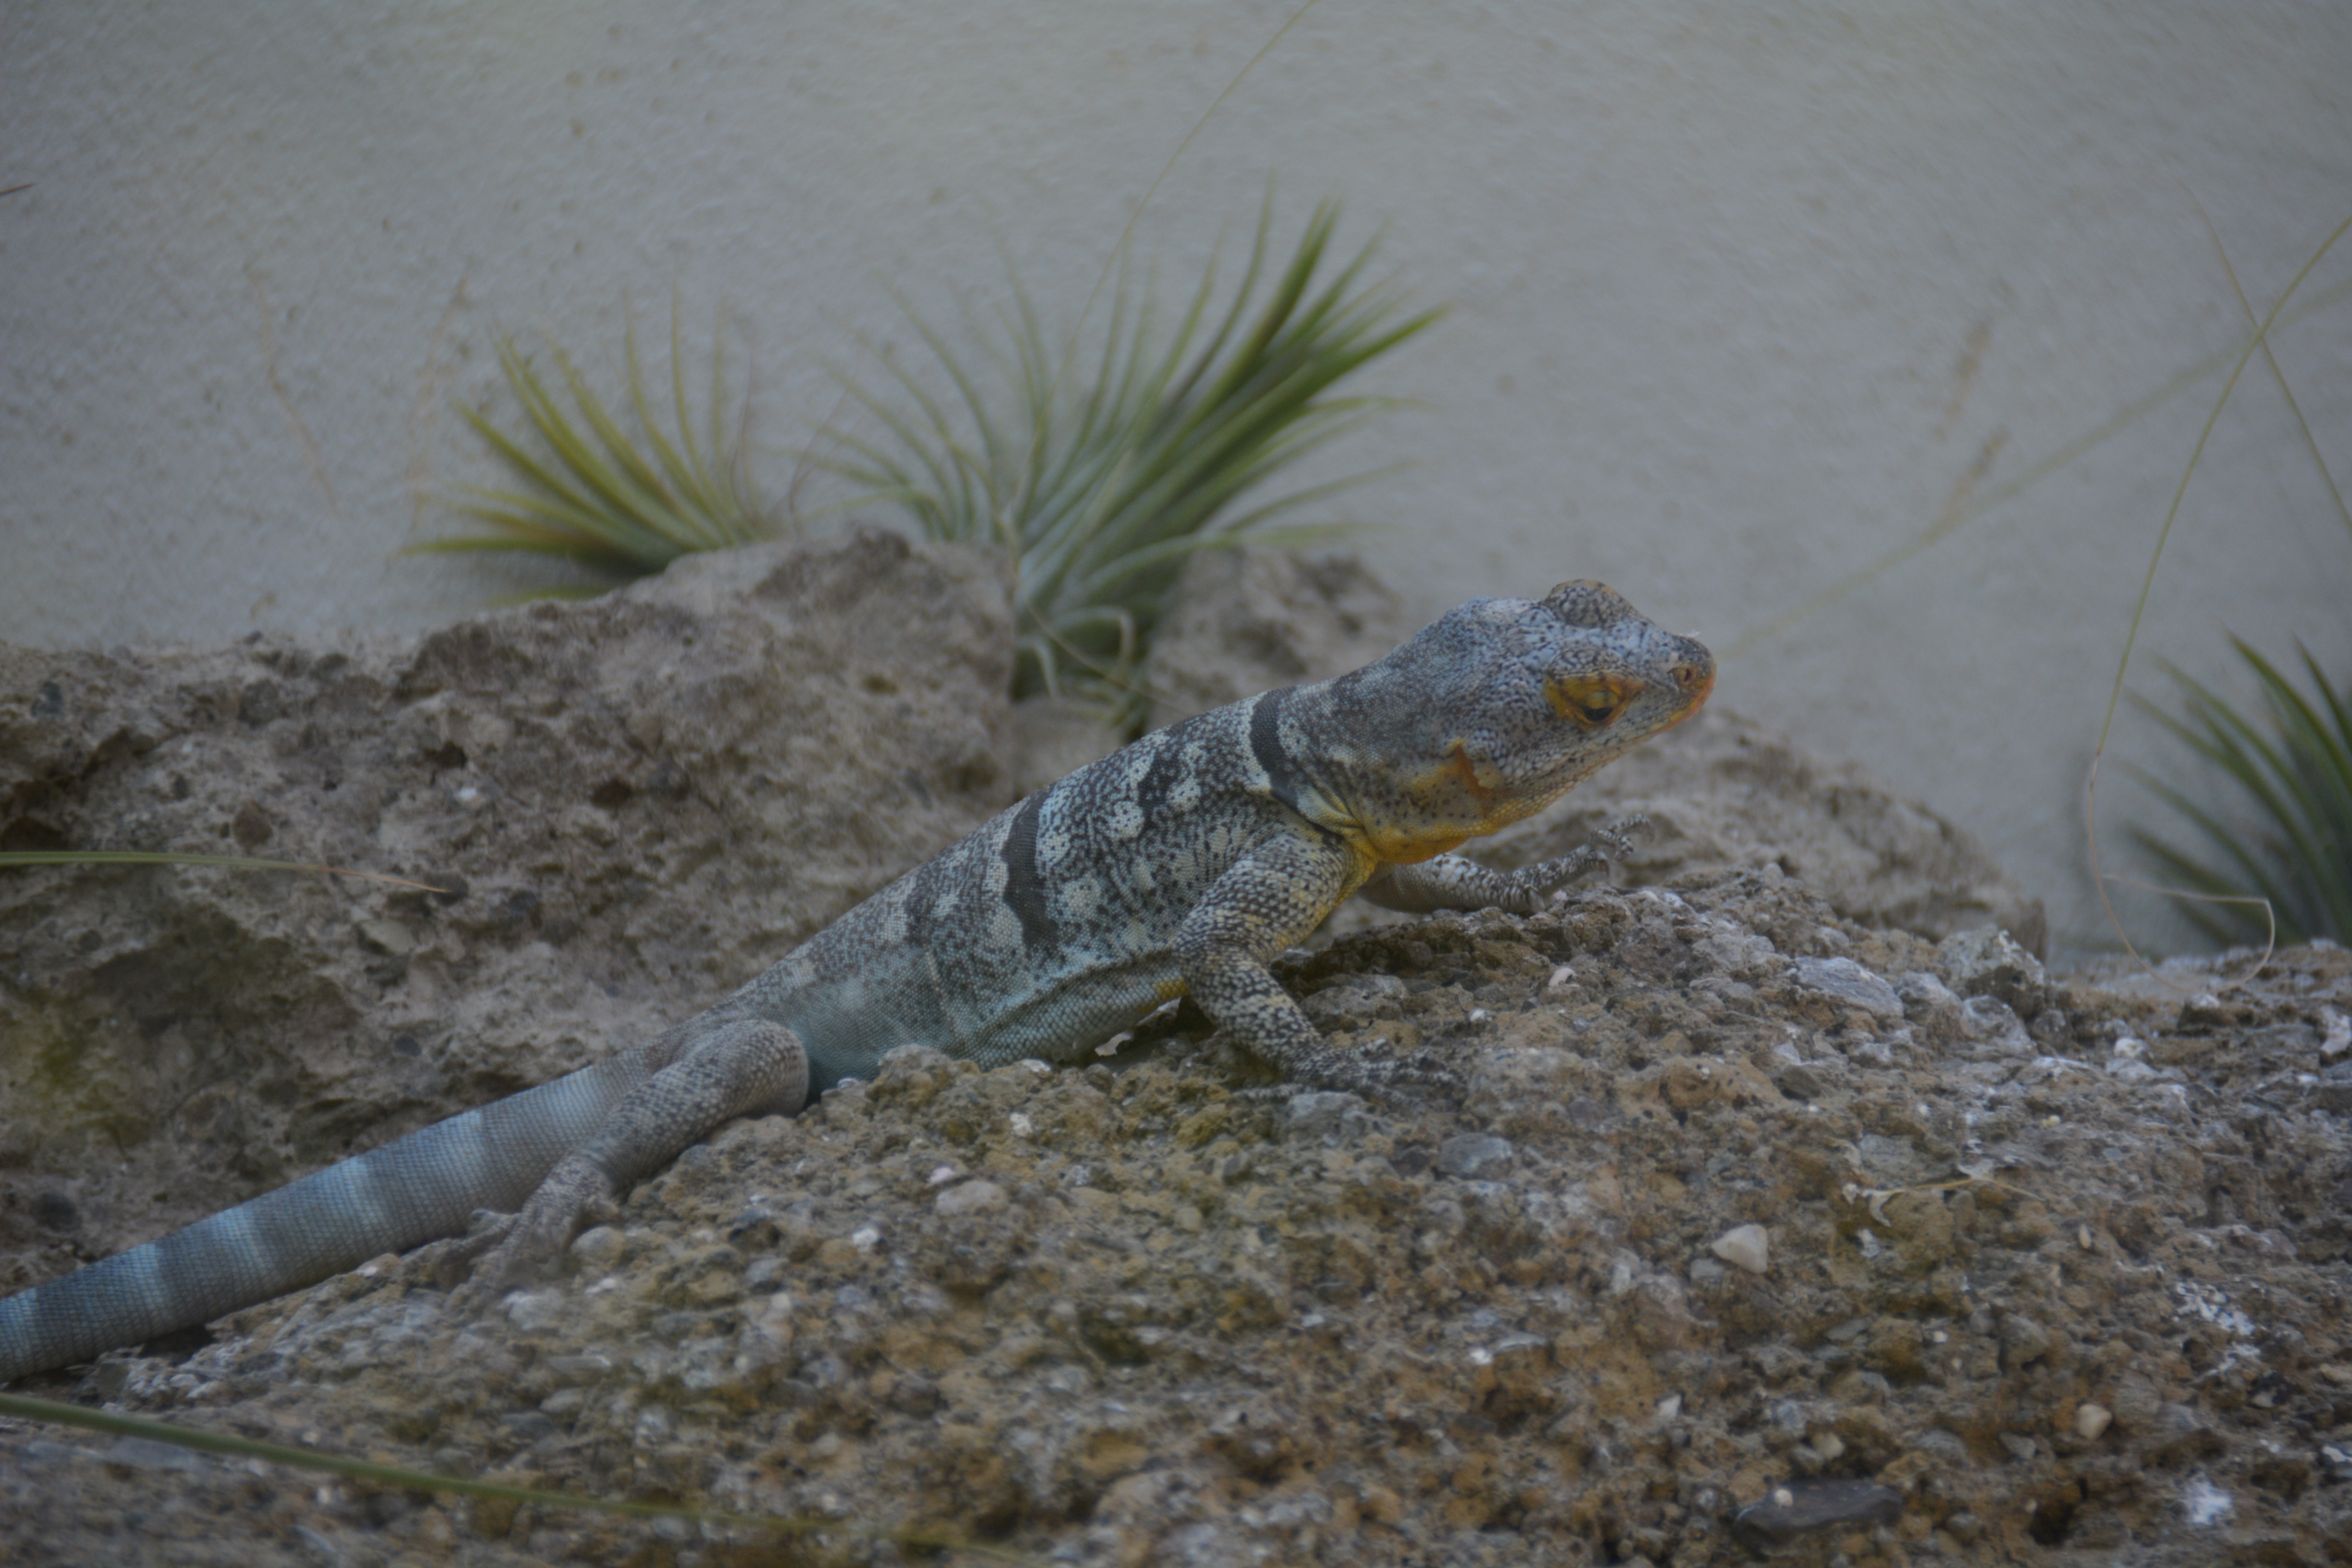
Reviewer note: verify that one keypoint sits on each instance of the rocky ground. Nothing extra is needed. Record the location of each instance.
(1764, 1225)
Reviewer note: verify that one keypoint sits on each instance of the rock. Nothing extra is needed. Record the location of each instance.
(2091, 1420)
(1246, 619)
(1744, 1247)
(2336, 1033)
(1720, 792)
(1933, 1007)
(1474, 1156)
(2022, 1341)
(1210, 1319)
(2205, 1505)
(1797, 1508)
(975, 1196)
(1988, 962)
(632, 804)
(1320, 1113)
(1053, 737)
(1850, 983)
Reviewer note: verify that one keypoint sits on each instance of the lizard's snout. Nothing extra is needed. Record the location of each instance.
(1694, 677)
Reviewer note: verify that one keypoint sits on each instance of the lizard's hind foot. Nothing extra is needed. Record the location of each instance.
(509, 1250)
(1419, 1082)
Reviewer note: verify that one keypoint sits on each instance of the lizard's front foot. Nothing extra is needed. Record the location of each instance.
(513, 1248)
(1535, 886)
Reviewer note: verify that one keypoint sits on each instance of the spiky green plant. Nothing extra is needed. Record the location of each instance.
(1103, 487)
(586, 490)
(2293, 762)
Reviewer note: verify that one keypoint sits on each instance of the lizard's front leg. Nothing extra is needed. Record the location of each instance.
(1454, 881)
(1272, 897)
(727, 1069)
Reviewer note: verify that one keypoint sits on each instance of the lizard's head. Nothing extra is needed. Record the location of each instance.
(1494, 710)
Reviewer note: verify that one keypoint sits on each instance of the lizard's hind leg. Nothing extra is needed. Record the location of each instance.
(734, 1069)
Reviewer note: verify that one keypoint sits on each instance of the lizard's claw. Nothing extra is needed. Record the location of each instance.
(512, 1248)
(1420, 1081)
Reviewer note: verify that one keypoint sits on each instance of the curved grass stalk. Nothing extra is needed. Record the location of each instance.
(2225, 733)
(169, 857)
(1957, 518)
(229, 1446)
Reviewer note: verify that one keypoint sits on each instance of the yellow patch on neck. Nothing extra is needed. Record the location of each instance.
(1406, 848)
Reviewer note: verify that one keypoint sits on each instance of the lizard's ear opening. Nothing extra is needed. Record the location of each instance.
(1589, 605)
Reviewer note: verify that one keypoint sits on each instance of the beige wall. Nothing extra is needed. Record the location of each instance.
(1746, 293)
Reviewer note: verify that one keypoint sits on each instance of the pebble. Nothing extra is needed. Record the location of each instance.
(1850, 983)
(2337, 1038)
(2090, 1420)
(1744, 1247)
(970, 1197)
(1473, 1156)
(599, 1247)
(1795, 1509)
(2206, 1504)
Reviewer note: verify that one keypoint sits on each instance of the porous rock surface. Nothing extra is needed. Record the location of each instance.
(1757, 1228)
(2050, 1272)
(1720, 792)
(632, 805)
(1244, 619)
(1247, 618)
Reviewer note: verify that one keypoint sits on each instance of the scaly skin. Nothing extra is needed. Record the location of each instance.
(1182, 864)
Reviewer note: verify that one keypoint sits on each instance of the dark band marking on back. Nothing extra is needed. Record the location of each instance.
(1024, 889)
(1266, 744)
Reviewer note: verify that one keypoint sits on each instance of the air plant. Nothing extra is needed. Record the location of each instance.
(621, 503)
(1102, 487)
(2292, 762)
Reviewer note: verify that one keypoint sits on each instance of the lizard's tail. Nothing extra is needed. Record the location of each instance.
(414, 1190)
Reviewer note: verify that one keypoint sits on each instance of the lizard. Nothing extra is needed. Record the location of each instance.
(1181, 864)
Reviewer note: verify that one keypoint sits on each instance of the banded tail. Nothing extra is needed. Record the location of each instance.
(411, 1191)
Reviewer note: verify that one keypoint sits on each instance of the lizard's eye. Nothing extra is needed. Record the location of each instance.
(1590, 700)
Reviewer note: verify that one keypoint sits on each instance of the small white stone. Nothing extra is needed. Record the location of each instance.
(1022, 1126)
(942, 1175)
(1035, 1065)
(2205, 1503)
(1561, 978)
(865, 1238)
(2338, 1037)
(1670, 1407)
(2090, 1420)
(1744, 1247)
